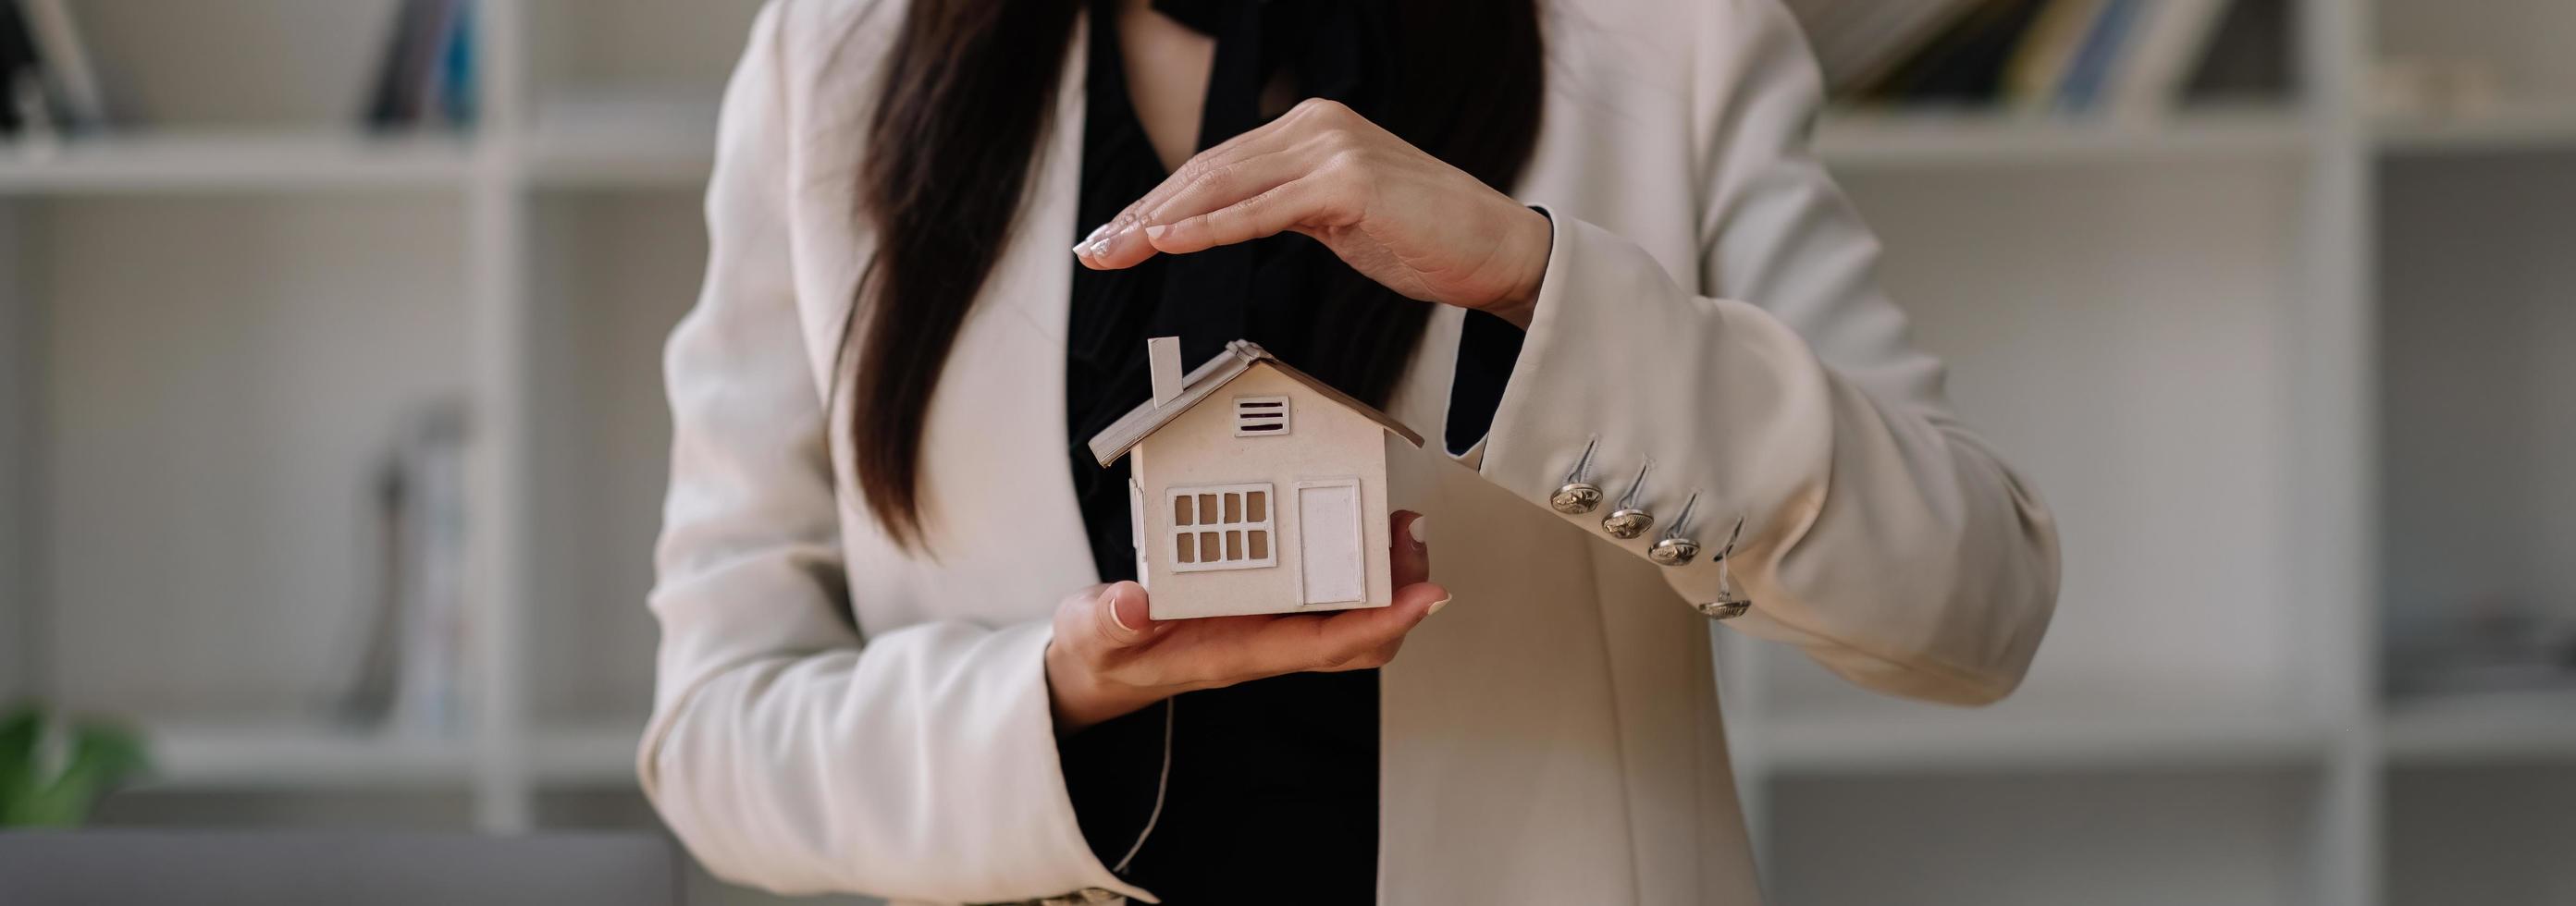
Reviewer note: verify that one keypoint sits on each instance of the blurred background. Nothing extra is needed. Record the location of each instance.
(332, 438)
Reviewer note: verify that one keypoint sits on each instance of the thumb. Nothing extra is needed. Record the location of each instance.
(1121, 613)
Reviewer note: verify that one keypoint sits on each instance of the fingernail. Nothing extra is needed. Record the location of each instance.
(1436, 605)
(1102, 245)
(1089, 242)
(1112, 597)
(1156, 231)
(1421, 535)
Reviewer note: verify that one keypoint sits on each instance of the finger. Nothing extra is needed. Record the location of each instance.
(1123, 233)
(1411, 548)
(1314, 122)
(1295, 645)
(1197, 191)
(1119, 617)
(1311, 201)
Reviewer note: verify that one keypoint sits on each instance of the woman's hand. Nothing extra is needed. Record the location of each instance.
(1402, 217)
(1109, 659)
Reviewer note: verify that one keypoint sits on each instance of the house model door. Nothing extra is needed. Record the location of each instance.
(1330, 568)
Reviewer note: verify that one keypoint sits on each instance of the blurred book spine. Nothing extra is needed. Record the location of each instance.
(426, 74)
(70, 80)
(2125, 58)
(412, 676)
(47, 85)
(20, 70)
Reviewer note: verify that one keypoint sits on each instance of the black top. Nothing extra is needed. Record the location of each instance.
(1272, 795)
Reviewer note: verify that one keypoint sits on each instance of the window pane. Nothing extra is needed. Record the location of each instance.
(1256, 505)
(1207, 509)
(1189, 552)
(1181, 510)
(1234, 508)
(1208, 549)
(1260, 541)
(1234, 545)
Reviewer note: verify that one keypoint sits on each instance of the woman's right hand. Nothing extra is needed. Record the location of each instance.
(1108, 658)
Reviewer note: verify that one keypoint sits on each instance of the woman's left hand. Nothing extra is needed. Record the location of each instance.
(1402, 217)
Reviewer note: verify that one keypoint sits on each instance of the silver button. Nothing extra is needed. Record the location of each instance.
(1578, 495)
(1628, 523)
(1730, 603)
(1630, 519)
(1576, 498)
(1673, 549)
(1724, 610)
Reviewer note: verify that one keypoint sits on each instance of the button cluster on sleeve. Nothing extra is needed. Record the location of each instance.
(1629, 519)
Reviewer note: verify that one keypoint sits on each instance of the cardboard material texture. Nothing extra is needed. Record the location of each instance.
(1257, 489)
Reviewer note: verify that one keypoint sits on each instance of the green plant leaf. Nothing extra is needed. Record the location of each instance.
(22, 729)
(99, 758)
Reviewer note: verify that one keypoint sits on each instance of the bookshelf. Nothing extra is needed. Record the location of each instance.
(2238, 457)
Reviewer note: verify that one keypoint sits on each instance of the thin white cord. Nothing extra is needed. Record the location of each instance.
(1162, 782)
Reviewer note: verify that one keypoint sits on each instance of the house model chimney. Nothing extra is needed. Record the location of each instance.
(1163, 355)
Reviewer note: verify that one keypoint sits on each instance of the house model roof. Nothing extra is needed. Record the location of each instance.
(1204, 381)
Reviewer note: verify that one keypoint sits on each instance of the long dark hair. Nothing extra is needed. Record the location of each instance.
(969, 87)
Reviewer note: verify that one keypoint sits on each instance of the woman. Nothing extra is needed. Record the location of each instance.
(888, 663)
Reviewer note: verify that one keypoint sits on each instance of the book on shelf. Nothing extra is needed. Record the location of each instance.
(425, 75)
(19, 68)
(1858, 41)
(1965, 64)
(2170, 43)
(2045, 54)
(2095, 59)
(2124, 58)
(412, 674)
(47, 85)
(70, 80)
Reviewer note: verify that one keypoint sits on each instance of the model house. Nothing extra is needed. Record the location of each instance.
(1255, 488)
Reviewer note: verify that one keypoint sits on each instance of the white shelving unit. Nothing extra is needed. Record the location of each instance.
(2286, 376)
(2173, 325)
(237, 302)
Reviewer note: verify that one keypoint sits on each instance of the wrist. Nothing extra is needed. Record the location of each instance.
(1529, 247)
(1080, 698)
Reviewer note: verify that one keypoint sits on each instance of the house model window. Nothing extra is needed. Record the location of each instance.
(1221, 527)
(1260, 416)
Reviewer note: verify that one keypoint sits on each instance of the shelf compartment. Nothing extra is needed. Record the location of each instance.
(2509, 129)
(2485, 728)
(299, 754)
(1882, 140)
(611, 274)
(236, 162)
(1933, 739)
(2226, 838)
(2490, 834)
(219, 380)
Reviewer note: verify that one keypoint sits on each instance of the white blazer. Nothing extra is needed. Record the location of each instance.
(1710, 304)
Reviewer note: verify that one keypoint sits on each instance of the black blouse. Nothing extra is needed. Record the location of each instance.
(1272, 793)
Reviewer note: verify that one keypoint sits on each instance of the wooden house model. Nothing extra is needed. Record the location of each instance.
(1255, 488)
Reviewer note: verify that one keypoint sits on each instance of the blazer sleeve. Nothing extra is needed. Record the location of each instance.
(1880, 535)
(785, 750)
